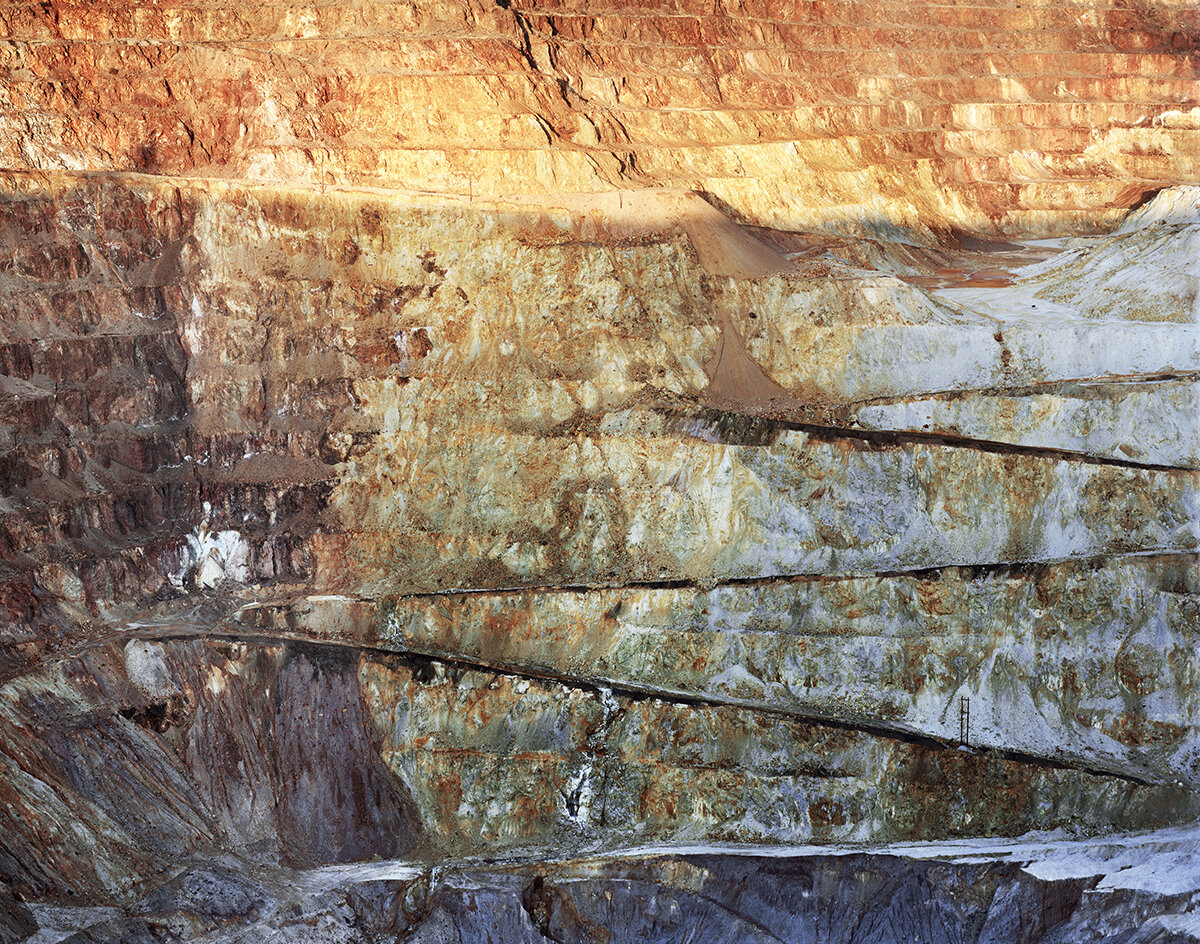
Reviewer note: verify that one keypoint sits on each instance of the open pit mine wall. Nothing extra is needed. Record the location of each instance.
(796, 114)
(514, 524)
(414, 444)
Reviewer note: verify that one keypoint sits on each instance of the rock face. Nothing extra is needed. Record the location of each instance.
(609, 443)
(792, 113)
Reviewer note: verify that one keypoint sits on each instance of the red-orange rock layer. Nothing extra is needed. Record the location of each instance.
(993, 117)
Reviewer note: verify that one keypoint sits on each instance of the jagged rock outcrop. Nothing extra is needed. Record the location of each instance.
(448, 430)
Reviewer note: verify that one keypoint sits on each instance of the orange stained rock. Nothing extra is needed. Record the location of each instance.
(995, 118)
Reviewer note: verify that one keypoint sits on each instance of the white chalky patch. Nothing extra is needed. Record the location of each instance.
(146, 666)
(213, 556)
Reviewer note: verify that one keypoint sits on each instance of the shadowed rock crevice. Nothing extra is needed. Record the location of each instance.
(337, 800)
(267, 753)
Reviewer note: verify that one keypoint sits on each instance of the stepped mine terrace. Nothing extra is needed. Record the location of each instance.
(672, 472)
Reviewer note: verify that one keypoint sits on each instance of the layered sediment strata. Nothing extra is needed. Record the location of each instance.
(668, 467)
(591, 549)
(990, 116)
